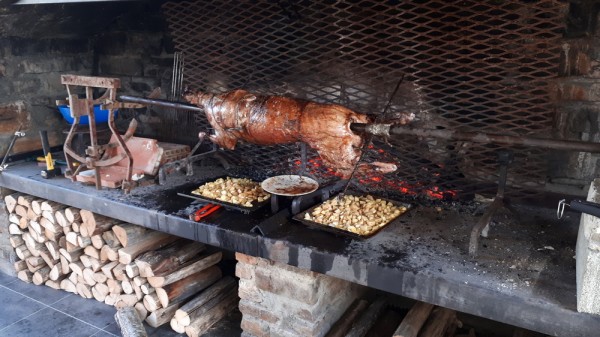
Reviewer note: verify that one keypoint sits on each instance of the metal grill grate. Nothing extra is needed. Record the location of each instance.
(468, 65)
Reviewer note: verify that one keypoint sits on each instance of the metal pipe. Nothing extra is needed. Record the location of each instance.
(387, 130)
(160, 102)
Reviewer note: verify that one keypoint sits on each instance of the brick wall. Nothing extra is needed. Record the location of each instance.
(39, 43)
(281, 300)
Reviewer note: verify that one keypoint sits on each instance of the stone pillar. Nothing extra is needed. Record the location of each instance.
(588, 258)
(281, 300)
(7, 253)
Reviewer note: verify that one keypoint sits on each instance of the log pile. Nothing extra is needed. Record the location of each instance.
(378, 318)
(120, 264)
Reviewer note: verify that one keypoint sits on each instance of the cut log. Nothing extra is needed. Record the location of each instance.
(161, 316)
(62, 242)
(34, 263)
(31, 215)
(31, 244)
(125, 300)
(109, 254)
(366, 321)
(203, 262)
(53, 249)
(97, 242)
(25, 276)
(34, 225)
(114, 286)
(132, 270)
(147, 289)
(127, 287)
(36, 206)
(51, 206)
(72, 238)
(137, 291)
(185, 288)
(61, 220)
(221, 286)
(37, 237)
(75, 227)
(438, 322)
(14, 218)
(22, 252)
(130, 323)
(111, 240)
(25, 200)
(55, 272)
(48, 259)
(72, 214)
(152, 303)
(71, 247)
(92, 252)
(88, 229)
(129, 234)
(99, 277)
(84, 241)
(138, 281)
(77, 268)
(68, 285)
(14, 229)
(119, 272)
(11, 201)
(84, 290)
(21, 211)
(88, 277)
(16, 241)
(179, 325)
(414, 320)
(151, 241)
(71, 256)
(20, 265)
(23, 223)
(52, 236)
(168, 259)
(141, 310)
(199, 326)
(73, 278)
(53, 284)
(99, 291)
(107, 269)
(48, 217)
(90, 262)
(41, 275)
(111, 299)
(64, 265)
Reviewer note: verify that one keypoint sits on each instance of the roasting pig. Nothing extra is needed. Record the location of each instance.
(271, 120)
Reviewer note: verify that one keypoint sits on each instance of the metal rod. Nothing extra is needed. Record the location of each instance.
(387, 130)
(160, 102)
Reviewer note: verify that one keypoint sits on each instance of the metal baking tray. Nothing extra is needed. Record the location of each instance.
(227, 205)
(340, 232)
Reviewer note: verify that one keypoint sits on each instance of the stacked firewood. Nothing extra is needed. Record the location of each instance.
(165, 278)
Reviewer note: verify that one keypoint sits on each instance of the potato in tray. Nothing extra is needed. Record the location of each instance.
(239, 191)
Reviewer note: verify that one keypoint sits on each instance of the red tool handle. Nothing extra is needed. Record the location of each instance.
(204, 211)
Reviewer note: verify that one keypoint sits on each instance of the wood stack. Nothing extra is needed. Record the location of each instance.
(120, 264)
(379, 319)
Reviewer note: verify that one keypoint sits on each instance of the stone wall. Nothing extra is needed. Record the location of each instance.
(281, 300)
(39, 43)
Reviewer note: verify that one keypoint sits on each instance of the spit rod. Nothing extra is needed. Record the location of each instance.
(387, 130)
(160, 102)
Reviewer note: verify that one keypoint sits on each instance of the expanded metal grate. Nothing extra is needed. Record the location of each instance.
(468, 65)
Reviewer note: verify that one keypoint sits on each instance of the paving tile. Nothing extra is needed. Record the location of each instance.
(103, 333)
(6, 279)
(113, 328)
(20, 307)
(91, 311)
(49, 322)
(40, 293)
(162, 331)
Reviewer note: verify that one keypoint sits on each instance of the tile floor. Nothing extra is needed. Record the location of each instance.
(27, 310)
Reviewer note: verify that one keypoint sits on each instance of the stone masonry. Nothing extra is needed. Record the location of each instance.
(588, 258)
(281, 300)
